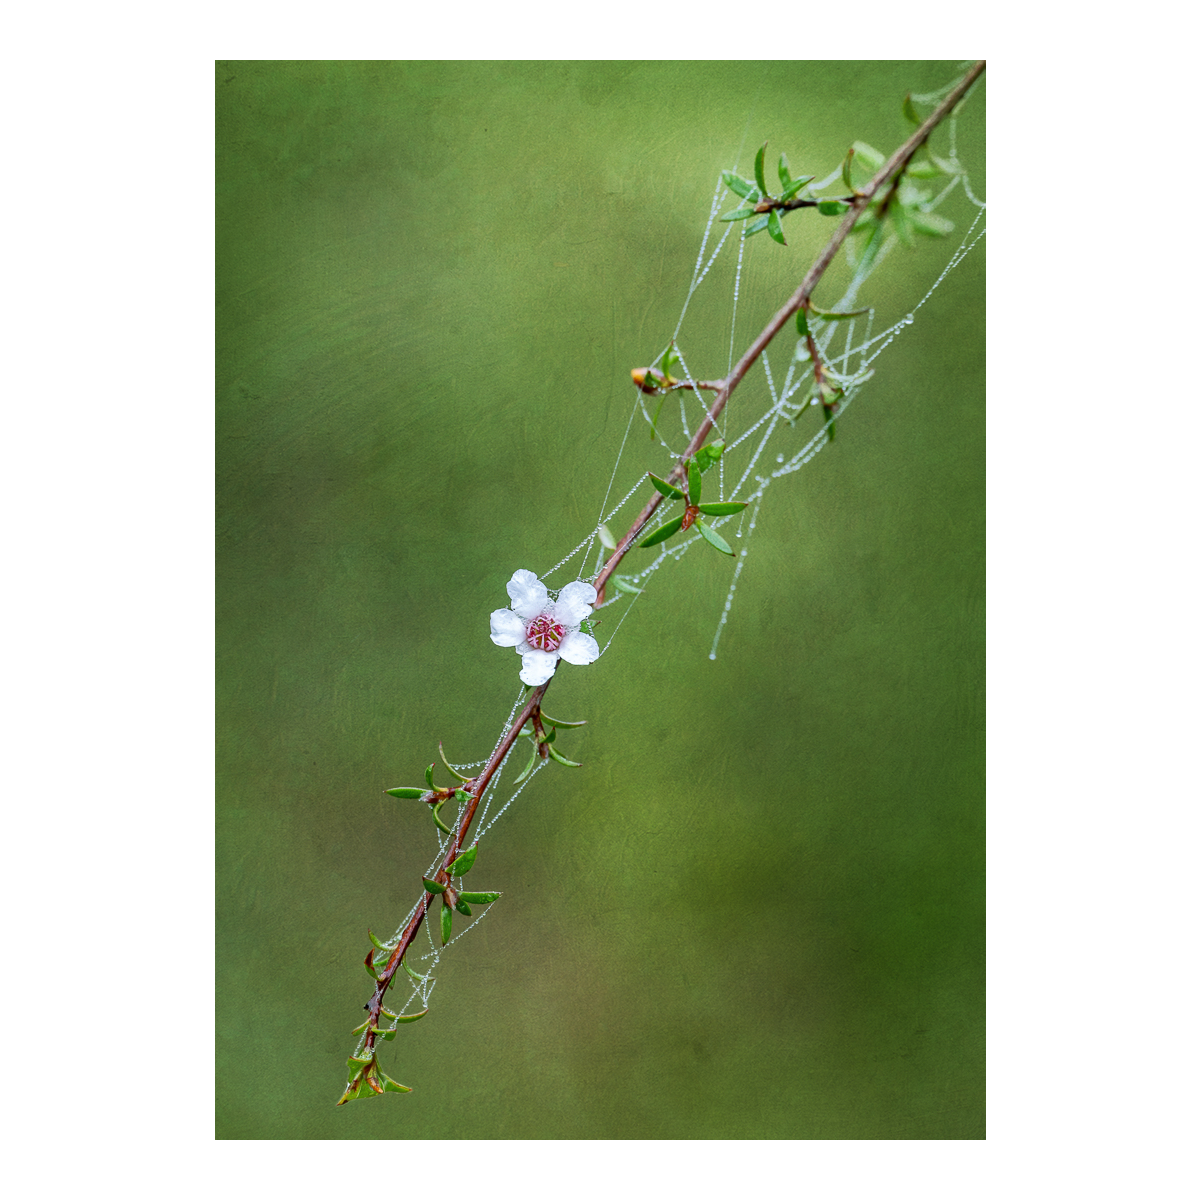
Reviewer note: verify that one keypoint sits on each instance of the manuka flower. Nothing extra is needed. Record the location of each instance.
(545, 630)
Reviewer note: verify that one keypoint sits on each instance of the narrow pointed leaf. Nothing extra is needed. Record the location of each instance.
(832, 208)
(756, 227)
(693, 483)
(801, 323)
(432, 886)
(910, 112)
(406, 1018)
(622, 584)
(837, 316)
(725, 509)
(480, 897)
(407, 793)
(388, 1035)
(735, 183)
(606, 538)
(707, 455)
(654, 421)
(661, 485)
(562, 724)
(463, 907)
(785, 175)
(846, 169)
(390, 1085)
(525, 774)
(375, 941)
(361, 1028)
(465, 861)
(437, 820)
(418, 978)
(370, 965)
(662, 533)
(869, 155)
(456, 774)
(796, 186)
(759, 177)
(447, 922)
(558, 758)
(429, 775)
(738, 214)
(715, 539)
(774, 228)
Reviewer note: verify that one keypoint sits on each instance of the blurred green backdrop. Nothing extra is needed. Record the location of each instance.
(757, 911)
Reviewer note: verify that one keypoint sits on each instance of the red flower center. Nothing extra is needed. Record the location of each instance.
(544, 633)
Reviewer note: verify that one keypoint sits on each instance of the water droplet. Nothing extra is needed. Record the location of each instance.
(779, 458)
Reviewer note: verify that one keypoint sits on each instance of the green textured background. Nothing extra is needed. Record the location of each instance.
(757, 911)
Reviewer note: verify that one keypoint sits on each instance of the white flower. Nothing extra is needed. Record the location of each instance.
(545, 630)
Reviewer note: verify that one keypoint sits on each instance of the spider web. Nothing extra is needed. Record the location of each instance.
(766, 446)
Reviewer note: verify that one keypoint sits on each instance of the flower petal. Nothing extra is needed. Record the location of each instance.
(574, 603)
(529, 595)
(537, 666)
(507, 628)
(579, 649)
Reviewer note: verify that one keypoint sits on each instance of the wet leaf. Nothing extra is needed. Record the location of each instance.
(525, 774)
(370, 964)
(361, 1028)
(707, 455)
(456, 774)
(757, 227)
(785, 174)
(558, 758)
(432, 886)
(662, 533)
(465, 861)
(796, 186)
(715, 539)
(480, 897)
(375, 941)
(463, 907)
(774, 228)
(735, 183)
(606, 538)
(418, 978)
(390, 1085)
(561, 724)
(388, 1035)
(693, 483)
(726, 509)
(667, 489)
(437, 818)
(447, 922)
(738, 214)
(654, 421)
(829, 315)
(407, 793)
(759, 177)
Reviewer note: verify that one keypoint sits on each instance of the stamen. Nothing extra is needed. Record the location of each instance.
(545, 634)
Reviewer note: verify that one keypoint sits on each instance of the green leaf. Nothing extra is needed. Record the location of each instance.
(361, 1028)
(785, 175)
(606, 538)
(693, 483)
(922, 169)
(429, 775)
(463, 907)
(930, 224)
(661, 485)
(662, 533)
(757, 227)
(738, 214)
(622, 584)
(796, 186)
(406, 793)
(432, 886)
(832, 208)
(706, 456)
(774, 228)
(437, 819)
(868, 155)
(759, 177)
(480, 897)
(561, 724)
(447, 921)
(909, 111)
(390, 1085)
(465, 861)
(801, 322)
(715, 539)
(735, 183)
(442, 752)
(558, 758)
(375, 941)
(726, 509)
(846, 169)
(369, 964)
(525, 774)
(829, 315)
(407, 1018)
(388, 1035)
